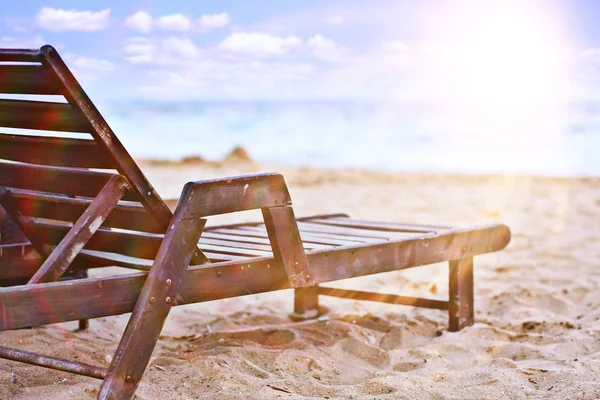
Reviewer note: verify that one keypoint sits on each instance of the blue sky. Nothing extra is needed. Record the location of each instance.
(238, 70)
(315, 50)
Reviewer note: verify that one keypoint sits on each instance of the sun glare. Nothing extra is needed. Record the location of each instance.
(505, 54)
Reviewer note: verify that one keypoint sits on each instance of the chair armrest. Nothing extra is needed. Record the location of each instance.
(226, 195)
(248, 192)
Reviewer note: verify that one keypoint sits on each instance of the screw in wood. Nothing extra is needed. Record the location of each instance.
(167, 299)
(152, 299)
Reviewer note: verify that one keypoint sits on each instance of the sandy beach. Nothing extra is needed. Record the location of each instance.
(537, 330)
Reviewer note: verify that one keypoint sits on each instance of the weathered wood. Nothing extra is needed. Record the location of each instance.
(309, 245)
(346, 262)
(233, 251)
(104, 135)
(97, 297)
(25, 223)
(261, 223)
(42, 115)
(55, 363)
(81, 232)
(315, 237)
(461, 309)
(235, 244)
(19, 55)
(378, 226)
(287, 244)
(241, 193)
(351, 232)
(27, 79)
(306, 304)
(384, 298)
(54, 151)
(70, 181)
(126, 215)
(134, 244)
(161, 291)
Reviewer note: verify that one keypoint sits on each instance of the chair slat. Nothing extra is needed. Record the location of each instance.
(69, 181)
(126, 215)
(20, 55)
(54, 151)
(378, 226)
(42, 115)
(27, 79)
(319, 238)
(351, 232)
(131, 244)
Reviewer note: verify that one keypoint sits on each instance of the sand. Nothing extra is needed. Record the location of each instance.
(537, 330)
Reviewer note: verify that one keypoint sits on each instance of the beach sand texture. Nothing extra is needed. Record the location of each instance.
(537, 330)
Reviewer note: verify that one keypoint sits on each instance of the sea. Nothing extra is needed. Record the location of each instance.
(542, 139)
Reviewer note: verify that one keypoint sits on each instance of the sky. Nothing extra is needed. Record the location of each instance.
(463, 50)
(274, 66)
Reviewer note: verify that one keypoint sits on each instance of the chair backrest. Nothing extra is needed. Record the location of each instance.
(58, 153)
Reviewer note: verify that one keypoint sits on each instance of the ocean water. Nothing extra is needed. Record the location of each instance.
(544, 139)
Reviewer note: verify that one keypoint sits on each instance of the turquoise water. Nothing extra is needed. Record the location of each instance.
(542, 139)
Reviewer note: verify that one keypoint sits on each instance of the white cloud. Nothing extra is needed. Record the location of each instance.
(394, 47)
(57, 19)
(259, 44)
(172, 51)
(88, 69)
(181, 47)
(324, 49)
(140, 50)
(22, 43)
(335, 20)
(174, 22)
(141, 21)
(214, 20)
(93, 64)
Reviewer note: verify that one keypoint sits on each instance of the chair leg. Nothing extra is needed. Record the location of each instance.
(83, 323)
(306, 304)
(461, 311)
(159, 293)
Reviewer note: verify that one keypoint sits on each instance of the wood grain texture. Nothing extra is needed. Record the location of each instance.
(54, 151)
(240, 193)
(160, 292)
(27, 79)
(42, 115)
(70, 181)
(104, 135)
(125, 215)
(95, 297)
(461, 311)
(287, 244)
(69, 247)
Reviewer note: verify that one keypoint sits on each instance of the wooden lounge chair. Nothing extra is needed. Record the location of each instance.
(84, 203)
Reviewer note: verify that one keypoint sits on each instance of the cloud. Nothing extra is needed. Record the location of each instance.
(394, 47)
(22, 42)
(181, 47)
(141, 21)
(93, 64)
(259, 44)
(171, 51)
(335, 20)
(214, 20)
(174, 22)
(324, 49)
(53, 19)
(139, 50)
